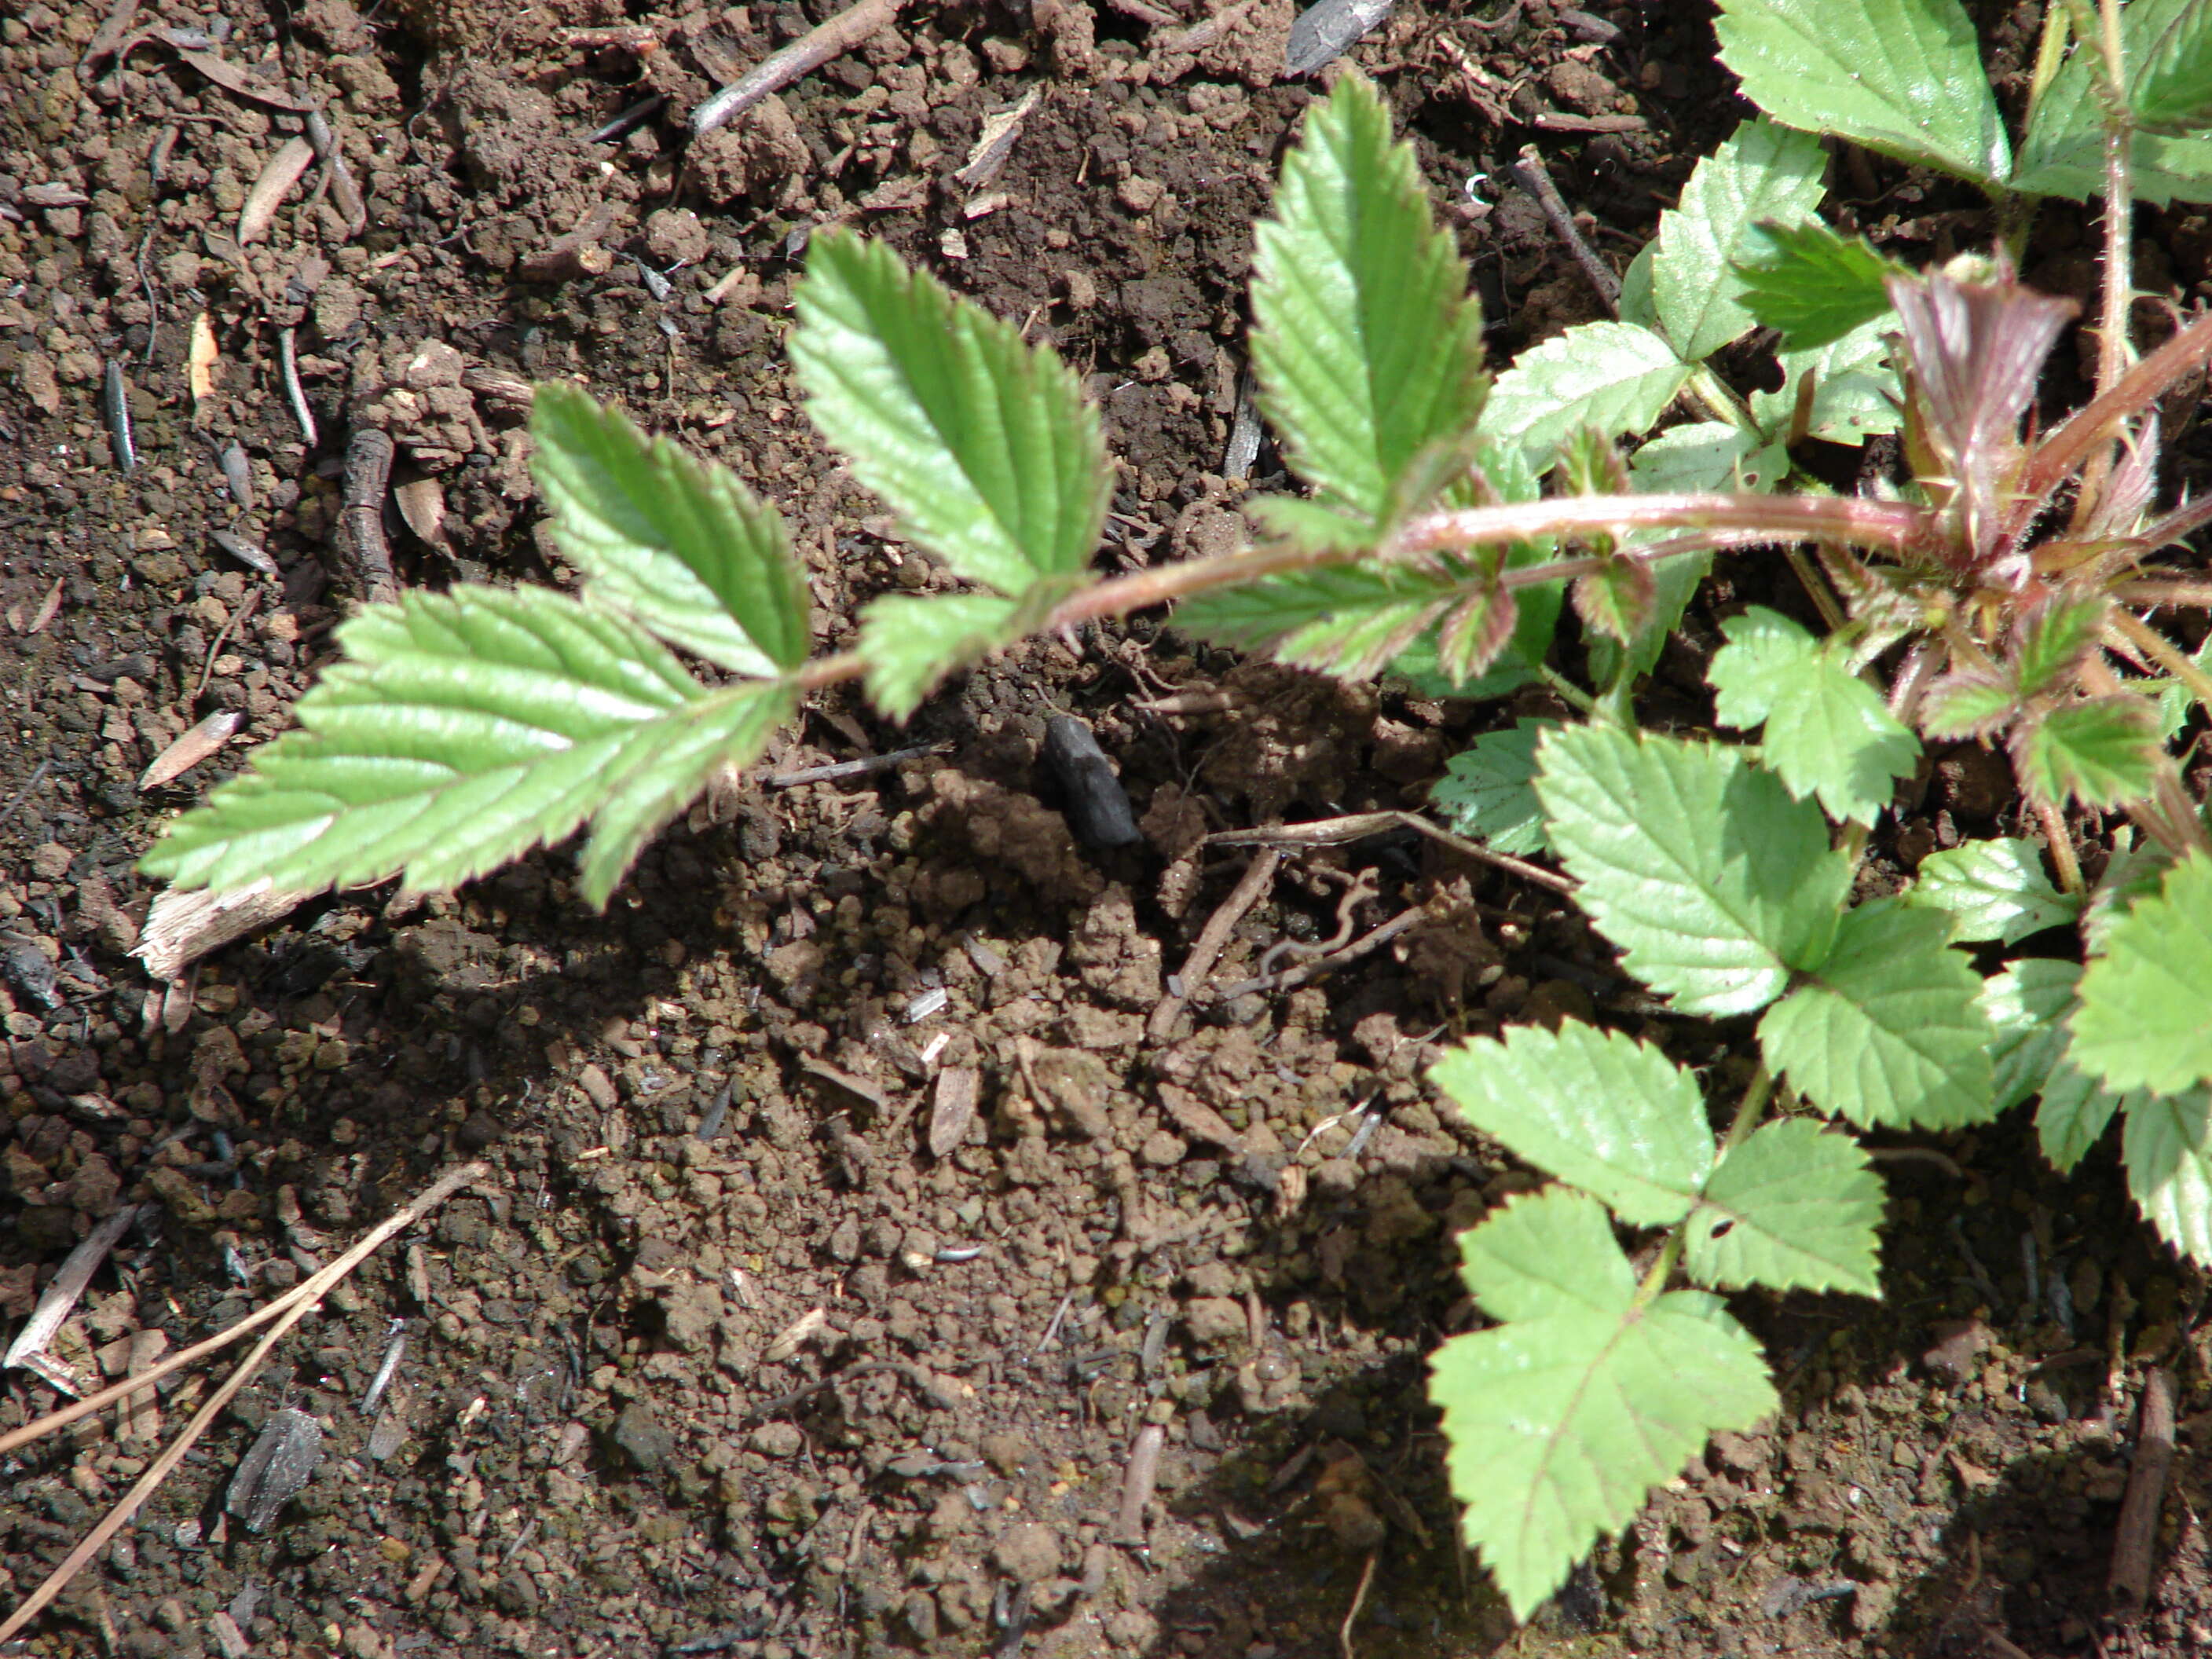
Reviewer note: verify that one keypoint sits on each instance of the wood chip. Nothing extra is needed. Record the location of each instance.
(231, 78)
(953, 1108)
(69, 1282)
(49, 608)
(189, 750)
(182, 927)
(200, 359)
(989, 152)
(422, 505)
(285, 169)
(795, 1336)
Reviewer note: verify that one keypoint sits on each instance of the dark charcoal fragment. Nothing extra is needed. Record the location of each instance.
(274, 1471)
(1097, 806)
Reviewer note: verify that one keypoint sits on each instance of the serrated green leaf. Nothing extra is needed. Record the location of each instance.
(1794, 1207)
(1828, 732)
(730, 734)
(678, 543)
(2145, 1020)
(457, 731)
(1617, 598)
(908, 645)
(2166, 1144)
(1901, 76)
(2026, 1006)
(1366, 343)
(2132, 875)
(2176, 702)
(1612, 376)
(980, 443)
(1303, 522)
(1342, 620)
(2170, 84)
(1888, 1030)
(1763, 171)
(2101, 752)
(1613, 1116)
(1994, 889)
(1560, 1423)
(2074, 1113)
(2064, 153)
(1967, 705)
(1714, 883)
(1857, 393)
(1812, 283)
(1637, 304)
(1695, 458)
(1489, 790)
(2053, 638)
(1545, 1252)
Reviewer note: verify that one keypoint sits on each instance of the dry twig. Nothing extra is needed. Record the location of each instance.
(2134, 1539)
(802, 57)
(1258, 877)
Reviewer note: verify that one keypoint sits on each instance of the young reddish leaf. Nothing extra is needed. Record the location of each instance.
(2100, 752)
(1617, 598)
(1473, 633)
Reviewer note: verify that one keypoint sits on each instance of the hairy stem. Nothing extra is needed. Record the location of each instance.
(2062, 454)
(2060, 844)
(2163, 651)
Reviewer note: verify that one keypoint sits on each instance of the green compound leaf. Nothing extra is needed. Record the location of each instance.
(982, 444)
(2146, 1015)
(459, 730)
(1694, 459)
(680, 544)
(1614, 1116)
(2166, 1144)
(1367, 346)
(1614, 377)
(2074, 1113)
(1888, 1030)
(1763, 172)
(1714, 883)
(1812, 283)
(1561, 1422)
(2101, 752)
(1994, 889)
(908, 645)
(2063, 154)
(1901, 76)
(1346, 621)
(2053, 640)
(1967, 705)
(1828, 733)
(1794, 1207)
(1489, 790)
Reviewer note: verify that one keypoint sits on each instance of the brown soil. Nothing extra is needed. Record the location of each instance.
(711, 1112)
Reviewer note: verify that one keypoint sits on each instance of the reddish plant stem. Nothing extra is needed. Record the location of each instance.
(2062, 454)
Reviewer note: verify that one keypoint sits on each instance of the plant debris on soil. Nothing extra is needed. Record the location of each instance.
(897, 1239)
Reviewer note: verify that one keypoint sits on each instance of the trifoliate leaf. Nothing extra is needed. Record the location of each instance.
(2064, 153)
(1715, 884)
(2166, 1145)
(1901, 76)
(1366, 343)
(2101, 752)
(1827, 732)
(1489, 790)
(1560, 1422)
(1763, 172)
(1342, 620)
(1813, 284)
(1613, 1116)
(680, 544)
(982, 443)
(2146, 1015)
(1612, 376)
(1994, 889)
(1888, 1028)
(908, 645)
(459, 730)
(1794, 1207)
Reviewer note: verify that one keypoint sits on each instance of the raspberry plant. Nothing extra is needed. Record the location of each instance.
(2001, 594)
